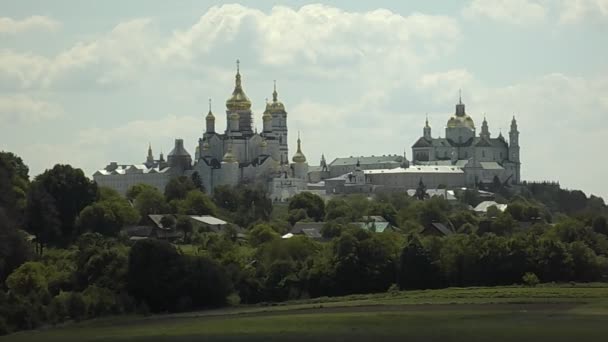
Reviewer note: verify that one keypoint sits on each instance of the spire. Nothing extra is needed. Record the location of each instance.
(274, 93)
(150, 157)
(299, 156)
(426, 123)
(459, 96)
(209, 105)
(238, 74)
(460, 106)
(162, 156)
(238, 100)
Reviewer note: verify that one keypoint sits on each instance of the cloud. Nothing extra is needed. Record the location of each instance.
(314, 35)
(573, 11)
(518, 12)
(33, 23)
(21, 109)
(114, 58)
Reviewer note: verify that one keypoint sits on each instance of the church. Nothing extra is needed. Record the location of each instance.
(483, 158)
(240, 154)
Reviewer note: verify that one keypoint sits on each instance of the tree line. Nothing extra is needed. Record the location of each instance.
(80, 264)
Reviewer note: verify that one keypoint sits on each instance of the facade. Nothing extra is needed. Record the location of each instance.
(238, 155)
(482, 157)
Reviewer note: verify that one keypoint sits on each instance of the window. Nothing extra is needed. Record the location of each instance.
(483, 153)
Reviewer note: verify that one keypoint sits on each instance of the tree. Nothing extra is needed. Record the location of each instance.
(421, 191)
(28, 280)
(136, 189)
(185, 225)
(296, 215)
(178, 187)
(167, 221)
(14, 181)
(197, 181)
(154, 267)
(196, 203)
(150, 201)
(99, 218)
(313, 204)
(226, 197)
(71, 191)
(42, 218)
(14, 249)
(416, 269)
(262, 233)
(600, 225)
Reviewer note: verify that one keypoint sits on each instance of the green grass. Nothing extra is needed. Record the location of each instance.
(548, 313)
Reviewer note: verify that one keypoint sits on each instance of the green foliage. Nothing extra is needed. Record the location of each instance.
(296, 215)
(136, 189)
(28, 280)
(311, 203)
(167, 221)
(262, 233)
(150, 201)
(184, 224)
(178, 187)
(14, 182)
(42, 217)
(416, 267)
(14, 248)
(196, 203)
(71, 191)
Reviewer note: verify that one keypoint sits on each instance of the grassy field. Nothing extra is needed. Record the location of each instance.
(550, 313)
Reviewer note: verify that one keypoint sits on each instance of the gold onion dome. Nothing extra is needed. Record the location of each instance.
(229, 157)
(238, 100)
(275, 106)
(299, 156)
(266, 116)
(461, 118)
(210, 115)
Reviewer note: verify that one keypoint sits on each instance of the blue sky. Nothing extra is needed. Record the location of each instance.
(85, 82)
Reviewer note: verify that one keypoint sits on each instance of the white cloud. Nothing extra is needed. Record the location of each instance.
(21, 109)
(118, 56)
(518, 12)
(577, 10)
(33, 23)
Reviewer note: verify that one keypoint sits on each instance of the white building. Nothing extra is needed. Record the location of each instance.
(239, 155)
(481, 157)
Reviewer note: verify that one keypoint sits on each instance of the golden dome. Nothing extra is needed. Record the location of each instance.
(229, 157)
(210, 116)
(275, 106)
(238, 100)
(299, 156)
(461, 121)
(267, 116)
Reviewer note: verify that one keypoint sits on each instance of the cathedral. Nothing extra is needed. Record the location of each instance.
(483, 158)
(238, 155)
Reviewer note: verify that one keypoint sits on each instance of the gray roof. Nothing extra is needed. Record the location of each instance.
(299, 227)
(441, 228)
(490, 166)
(363, 160)
(208, 219)
(179, 149)
(313, 233)
(379, 227)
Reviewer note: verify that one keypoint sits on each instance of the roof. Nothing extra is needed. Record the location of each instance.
(313, 233)
(459, 163)
(418, 169)
(156, 220)
(363, 160)
(447, 194)
(422, 142)
(133, 168)
(208, 219)
(138, 231)
(440, 227)
(299, 227)
(374, 218)
(483, 206)
(378, 227)
(490, 166)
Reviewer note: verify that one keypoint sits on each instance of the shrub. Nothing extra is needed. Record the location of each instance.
(530, 279)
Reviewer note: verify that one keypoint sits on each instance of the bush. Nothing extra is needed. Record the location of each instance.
(530, 279)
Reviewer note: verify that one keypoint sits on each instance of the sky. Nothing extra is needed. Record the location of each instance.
(89, 82)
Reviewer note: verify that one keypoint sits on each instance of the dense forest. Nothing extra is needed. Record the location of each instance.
(64, 255)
